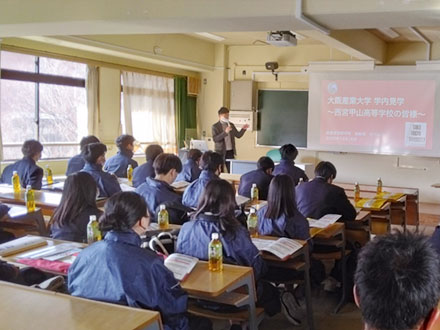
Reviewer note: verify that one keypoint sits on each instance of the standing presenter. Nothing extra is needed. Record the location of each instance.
(224, 133)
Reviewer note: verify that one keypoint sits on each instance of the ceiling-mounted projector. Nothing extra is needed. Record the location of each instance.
(281, 38)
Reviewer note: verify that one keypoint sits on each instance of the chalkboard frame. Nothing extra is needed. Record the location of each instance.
(259, 117)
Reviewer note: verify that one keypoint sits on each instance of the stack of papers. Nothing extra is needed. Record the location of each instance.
(324, 221)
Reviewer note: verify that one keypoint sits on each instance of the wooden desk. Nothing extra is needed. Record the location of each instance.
(48, 201)
(358, 232)
(298, 261)
(214, 286)
(411, 202)
(153, 229)
(380, 218)
(23, 307)
(21, 222)
(234, 179)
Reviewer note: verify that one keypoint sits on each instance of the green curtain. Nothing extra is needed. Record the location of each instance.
(186, 110)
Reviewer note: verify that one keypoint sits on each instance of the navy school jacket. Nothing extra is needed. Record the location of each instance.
(435, 239)
(156, 192)
(75, 231)
(75, 164)
(118, 164)
(142, 172)
(318, 197)
(289, 168)
(108, 184)
(117, 270)
(195, 235)
(296, 227)
(190, 171)
(28, 171)
(261, 178)
(195, 189)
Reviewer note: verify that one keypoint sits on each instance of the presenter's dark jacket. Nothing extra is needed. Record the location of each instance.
(219, 134)
(155, 193)
(261, 178)
(141, 173)
(435, 239)
(195, 235)
(75, 230)
(190, 172)
(28, 171)
(296, 227)
(118, 270)
(108, 184)
(118, 164)
(75, 164)
(318, 197)
(288, 168)
(195, 189)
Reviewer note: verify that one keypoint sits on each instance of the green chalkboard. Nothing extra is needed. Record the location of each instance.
(282, 117)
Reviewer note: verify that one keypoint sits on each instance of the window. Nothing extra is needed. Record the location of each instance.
(148, 109)
(44, 99)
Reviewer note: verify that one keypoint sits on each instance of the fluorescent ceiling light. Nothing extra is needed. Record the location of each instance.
(210, 36)
(389, 32)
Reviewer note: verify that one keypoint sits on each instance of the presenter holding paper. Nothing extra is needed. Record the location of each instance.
(224, 133)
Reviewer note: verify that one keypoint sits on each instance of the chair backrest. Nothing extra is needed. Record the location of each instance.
(274, 154)
(32, 222)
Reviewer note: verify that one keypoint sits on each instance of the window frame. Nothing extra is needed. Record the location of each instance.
(40, 78)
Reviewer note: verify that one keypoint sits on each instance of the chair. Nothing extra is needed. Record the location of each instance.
(30, 223)
(274, 154)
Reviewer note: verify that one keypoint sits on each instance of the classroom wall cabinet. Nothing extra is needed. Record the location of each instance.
(243, 95)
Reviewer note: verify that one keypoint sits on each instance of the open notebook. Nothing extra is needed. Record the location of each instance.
(181, 265)
(282, 247)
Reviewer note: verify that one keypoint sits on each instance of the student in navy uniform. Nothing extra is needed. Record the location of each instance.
(76, 163)
(280, 217)
(216, 214)
(191, 169)
(118, 163)
(287, 164)
(146, 170)
(94, 155)
(28, 170)
(212, 164)
(261, 176)
(126, 273)
(78, 203)
(158, 191)
(320, 197)
(5, 236)
(397, 283)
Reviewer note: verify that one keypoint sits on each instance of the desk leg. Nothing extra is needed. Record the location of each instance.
(344, 276)
(308, 288)
(253, 322)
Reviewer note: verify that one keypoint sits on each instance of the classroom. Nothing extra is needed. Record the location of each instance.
(284, 72)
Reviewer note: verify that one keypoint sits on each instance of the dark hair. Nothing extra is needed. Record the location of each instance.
(219, 199)
(265, 163)
(87, 140)
(194, 154)
(166, 162)
(223, 110)
(288, 152)
(211, 161)
(79, 193)
(281, 197)
(397, 281)
(152, 151)
(325, 170)
(122, 211)
(93, 151)
(31, 147)
(123, 141)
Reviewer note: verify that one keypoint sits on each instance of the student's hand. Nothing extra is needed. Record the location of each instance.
(228, 129)
(245, 126)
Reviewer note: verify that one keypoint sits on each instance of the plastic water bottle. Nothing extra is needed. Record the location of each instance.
(49, 175)
(30, 199)
(252, 222)
(357, 192)
(15, 182)
(93, 232)
(130, 173)
(254, 193)
(215, 254)
(163, 218)
(379, 185)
